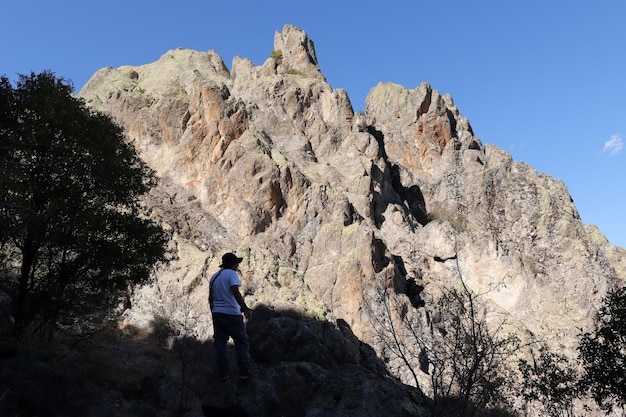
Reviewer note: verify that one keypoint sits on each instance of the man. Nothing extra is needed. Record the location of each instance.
(227, 305)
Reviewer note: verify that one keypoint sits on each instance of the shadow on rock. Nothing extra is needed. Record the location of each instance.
(302, 367)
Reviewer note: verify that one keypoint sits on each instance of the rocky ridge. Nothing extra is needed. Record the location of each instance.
(331, 209)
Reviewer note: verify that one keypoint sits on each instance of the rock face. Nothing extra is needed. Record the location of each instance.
(329, 207)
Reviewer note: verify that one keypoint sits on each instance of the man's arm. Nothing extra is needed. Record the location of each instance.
(244, 308)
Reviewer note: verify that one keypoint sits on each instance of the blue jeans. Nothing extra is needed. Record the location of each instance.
(225, 326)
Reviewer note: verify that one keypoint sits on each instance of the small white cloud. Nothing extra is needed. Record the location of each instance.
(614, 145)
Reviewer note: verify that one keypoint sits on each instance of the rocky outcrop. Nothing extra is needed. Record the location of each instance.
(329, 207)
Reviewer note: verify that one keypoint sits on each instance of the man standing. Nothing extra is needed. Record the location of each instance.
(227, 305)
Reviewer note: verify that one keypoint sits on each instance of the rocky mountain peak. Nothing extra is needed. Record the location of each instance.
(331, 209)
(295, 51)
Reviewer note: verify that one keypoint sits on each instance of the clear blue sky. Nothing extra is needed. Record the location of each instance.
(544, 80)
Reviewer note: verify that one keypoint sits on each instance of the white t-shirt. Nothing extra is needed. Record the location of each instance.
(223, 299)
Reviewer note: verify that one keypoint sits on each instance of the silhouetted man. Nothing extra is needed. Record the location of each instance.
(227, 305)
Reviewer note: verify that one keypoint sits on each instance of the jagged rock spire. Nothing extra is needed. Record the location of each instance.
(296, 52)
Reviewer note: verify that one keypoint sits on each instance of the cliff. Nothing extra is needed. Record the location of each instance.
(336, 213)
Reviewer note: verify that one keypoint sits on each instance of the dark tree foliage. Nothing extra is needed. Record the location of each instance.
(603, 353)
(549, 381)
(70, 224)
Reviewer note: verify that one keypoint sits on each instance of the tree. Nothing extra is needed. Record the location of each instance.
(466, 356)
(603, 353)
(550, 382)
(70, 225)
(470, 357)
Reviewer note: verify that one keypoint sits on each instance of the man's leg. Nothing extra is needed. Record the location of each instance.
(237, 331)
(220, 335)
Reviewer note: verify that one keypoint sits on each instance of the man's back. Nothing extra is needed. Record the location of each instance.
(223, 299)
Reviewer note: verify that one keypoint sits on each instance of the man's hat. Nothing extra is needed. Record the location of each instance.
(230, 259)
